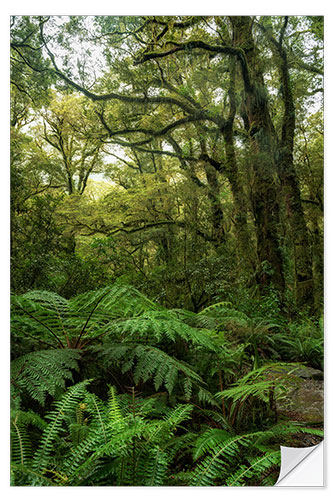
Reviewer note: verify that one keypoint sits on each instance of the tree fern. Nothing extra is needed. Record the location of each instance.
(60, 322)
(223, 312)
(160, 326)
(151, 363)
(43, 372)
(111, 310)
(40, 314)
(112, 302)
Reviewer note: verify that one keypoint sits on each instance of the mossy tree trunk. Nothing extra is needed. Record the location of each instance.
(247, 252)
(290, 183)
(262, 140)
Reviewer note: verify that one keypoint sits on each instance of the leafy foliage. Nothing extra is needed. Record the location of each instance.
(224, 460)
(304, 342)
(145, 435)
(152, 363)
(166, 247)
(42, 373)
(119, 445)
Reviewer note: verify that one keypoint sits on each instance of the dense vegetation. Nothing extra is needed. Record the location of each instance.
(166, 246)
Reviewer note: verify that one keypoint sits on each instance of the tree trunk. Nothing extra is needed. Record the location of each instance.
(247, 251)
(289, 179)
(218, 233)
(262, 146)
(318, 266)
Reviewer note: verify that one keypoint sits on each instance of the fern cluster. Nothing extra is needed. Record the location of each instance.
(118, 390)
(238, 460)
(88, 441)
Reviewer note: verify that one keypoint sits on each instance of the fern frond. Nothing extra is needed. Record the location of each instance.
(157, 326)
(116, 418)
(223, 465)
(206, 396)
(220, 457)
(110, 434)
(80, 463)
(95, 409)
(42, 313)
(178, 414)
(282, 430)
(21, 450)
(44, 372)
(216, 308)
(112, 302)
(259, 382)
(209, 440)
(166, 369)
(55, 320)
(224, 312)
(258, 467)
(217, 416)
(56, 417)
(149, 362)
(21, 442)
(155, 467)
(22, 476)
(241, 392)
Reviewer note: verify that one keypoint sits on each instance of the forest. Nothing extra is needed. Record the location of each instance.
(166, 248)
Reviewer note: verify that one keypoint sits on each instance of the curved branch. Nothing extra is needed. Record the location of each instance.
(25, 60)
(113, 95)
(199, 44)
(151, 132)
(181, 224)
(152, 151)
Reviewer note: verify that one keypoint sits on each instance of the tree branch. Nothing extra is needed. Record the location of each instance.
(199, 44)
(153, 133)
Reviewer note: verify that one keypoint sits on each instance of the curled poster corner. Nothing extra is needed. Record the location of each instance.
(302, 466)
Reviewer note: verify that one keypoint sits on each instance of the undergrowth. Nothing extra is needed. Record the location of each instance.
(110, 388)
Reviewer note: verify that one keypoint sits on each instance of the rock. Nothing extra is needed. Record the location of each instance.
(303, 400)
(300, 371)
(308, 372)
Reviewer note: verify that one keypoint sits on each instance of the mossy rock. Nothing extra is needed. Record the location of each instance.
(303, 400)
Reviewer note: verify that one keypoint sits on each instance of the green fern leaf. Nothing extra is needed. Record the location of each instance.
(56, 417)
(43, 372)
(258, 467)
